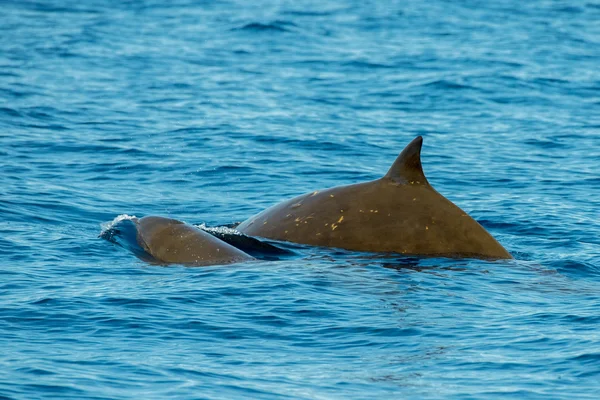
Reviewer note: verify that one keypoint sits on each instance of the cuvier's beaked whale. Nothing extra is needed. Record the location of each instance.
(174, 242)
(400, 213)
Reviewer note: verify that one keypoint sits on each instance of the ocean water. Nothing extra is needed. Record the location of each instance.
(211, 111)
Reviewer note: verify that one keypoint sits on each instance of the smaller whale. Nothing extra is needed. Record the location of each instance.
(169, 241)
(398, 213)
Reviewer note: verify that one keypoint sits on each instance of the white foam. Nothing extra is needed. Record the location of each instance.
(107, 225)
(219, 229)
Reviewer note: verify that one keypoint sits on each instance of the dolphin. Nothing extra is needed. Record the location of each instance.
(399, 213)
(169, 241)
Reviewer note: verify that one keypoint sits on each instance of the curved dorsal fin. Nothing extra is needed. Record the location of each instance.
(407, 167)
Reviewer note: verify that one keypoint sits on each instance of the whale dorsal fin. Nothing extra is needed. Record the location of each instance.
(407, 167)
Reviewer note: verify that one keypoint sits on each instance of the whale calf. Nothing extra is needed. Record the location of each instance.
(169, 241)
(400, 213)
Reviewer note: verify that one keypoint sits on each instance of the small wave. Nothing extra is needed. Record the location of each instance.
(275, 26)
(368, 65)
(545, 143)
(587, 358)
(9, 74)
(574, 267)
(569, 10)
(9, 93)
(105, 226)
(446, 84)
(10, 112)
(302, 13)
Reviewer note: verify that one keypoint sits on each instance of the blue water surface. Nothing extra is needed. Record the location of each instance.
(211, 111)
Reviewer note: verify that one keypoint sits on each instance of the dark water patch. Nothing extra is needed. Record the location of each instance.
(82, 146)
(48, 113)
(306, 144)
(306, 13)
(551, 81)
(577, 268)
(367, 65)
(546, 143)
(17, 94)
(46, 7)
(10, 112)
(569, 9)
(48, 127)
(593, 5)
(275, 26)
(133, 303)
(337, 332)
(578, 319)
(191, 130)
(444, 84)
(35, 371)
(588, 359)
(8, 74)
(56, 389)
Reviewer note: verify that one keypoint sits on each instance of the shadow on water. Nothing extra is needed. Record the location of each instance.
(261, 249)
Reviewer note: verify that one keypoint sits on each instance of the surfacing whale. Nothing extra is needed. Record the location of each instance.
(400, 213)
(162, 240)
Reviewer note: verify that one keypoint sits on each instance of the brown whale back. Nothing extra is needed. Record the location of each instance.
(172, 241)
(398, 213)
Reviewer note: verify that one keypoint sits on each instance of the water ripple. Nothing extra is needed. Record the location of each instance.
(211, 111)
